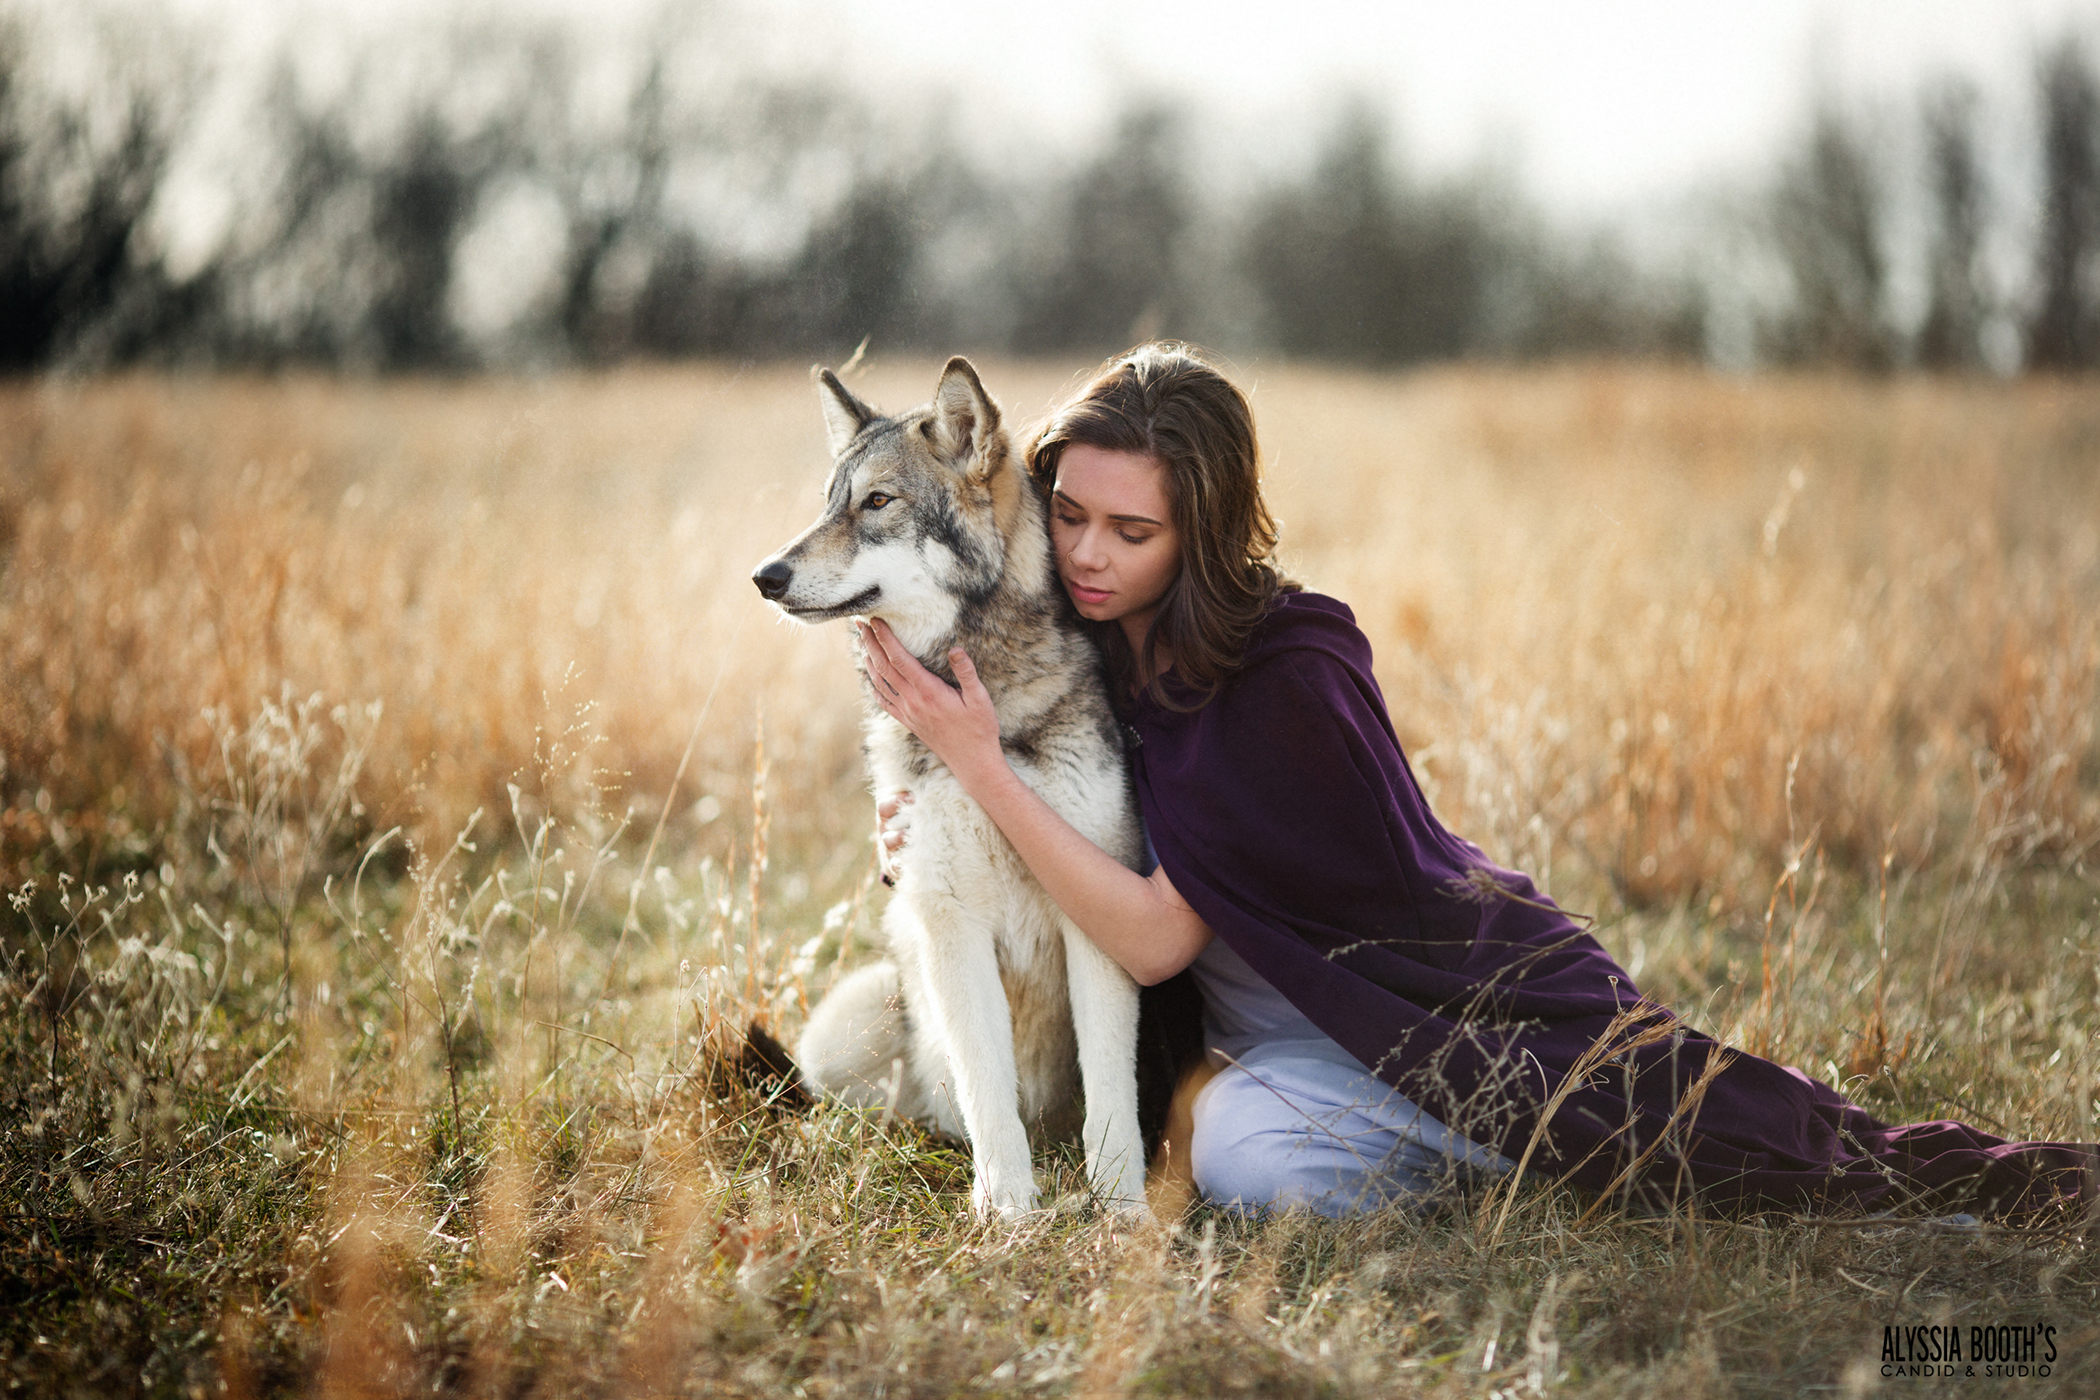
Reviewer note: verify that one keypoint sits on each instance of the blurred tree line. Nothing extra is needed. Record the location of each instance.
(497, 198)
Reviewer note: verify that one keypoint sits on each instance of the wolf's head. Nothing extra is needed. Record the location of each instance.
(925, 515)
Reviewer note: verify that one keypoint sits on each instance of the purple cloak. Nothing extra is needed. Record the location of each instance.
(1286, 814)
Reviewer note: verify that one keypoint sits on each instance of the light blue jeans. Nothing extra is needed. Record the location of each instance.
(1286, 1125)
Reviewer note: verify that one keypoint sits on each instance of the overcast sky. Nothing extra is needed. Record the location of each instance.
(1602, 104)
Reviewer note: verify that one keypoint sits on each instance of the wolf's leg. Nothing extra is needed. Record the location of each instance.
(1105, 1014)
(961, 966)
(857, 1047)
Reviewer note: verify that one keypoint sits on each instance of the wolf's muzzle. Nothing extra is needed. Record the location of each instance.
(773, 578)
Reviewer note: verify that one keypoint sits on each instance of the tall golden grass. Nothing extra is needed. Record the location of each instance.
(1620, 614)
(374, 1041)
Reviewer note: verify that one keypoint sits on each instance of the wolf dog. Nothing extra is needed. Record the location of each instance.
(993, 1010)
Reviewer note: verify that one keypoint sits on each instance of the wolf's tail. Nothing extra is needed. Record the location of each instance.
(763, 1066)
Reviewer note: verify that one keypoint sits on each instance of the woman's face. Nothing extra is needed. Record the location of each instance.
(1117, 550)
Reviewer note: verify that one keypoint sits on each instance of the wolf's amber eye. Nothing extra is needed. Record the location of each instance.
(876, 501)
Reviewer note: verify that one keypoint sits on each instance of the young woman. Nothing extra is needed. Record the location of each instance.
(1388, 1007)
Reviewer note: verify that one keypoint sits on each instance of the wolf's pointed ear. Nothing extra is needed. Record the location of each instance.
(844, 415)
(964, 417)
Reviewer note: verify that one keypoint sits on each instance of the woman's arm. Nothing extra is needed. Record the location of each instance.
(1139, 920)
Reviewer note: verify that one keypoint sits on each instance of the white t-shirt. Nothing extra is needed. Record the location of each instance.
(1242, 1010)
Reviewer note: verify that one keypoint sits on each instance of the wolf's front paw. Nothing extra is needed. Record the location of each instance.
(1119, 1186)
(1007, 1199)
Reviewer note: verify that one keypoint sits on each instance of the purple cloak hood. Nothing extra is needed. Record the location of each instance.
(1287, 816)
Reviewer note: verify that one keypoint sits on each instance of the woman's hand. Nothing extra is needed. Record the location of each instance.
(892, 830)
(1142, 922)
(957, 722)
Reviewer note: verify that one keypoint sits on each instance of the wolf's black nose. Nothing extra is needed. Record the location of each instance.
(772, 578)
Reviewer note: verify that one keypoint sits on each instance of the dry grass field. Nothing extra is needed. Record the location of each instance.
(406, 796)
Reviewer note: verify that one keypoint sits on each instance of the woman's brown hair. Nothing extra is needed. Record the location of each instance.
(1165, 402)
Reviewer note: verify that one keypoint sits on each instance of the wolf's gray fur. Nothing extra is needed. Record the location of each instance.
(932, 523)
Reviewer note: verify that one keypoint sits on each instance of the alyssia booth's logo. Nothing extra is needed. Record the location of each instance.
(2001, 1351)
